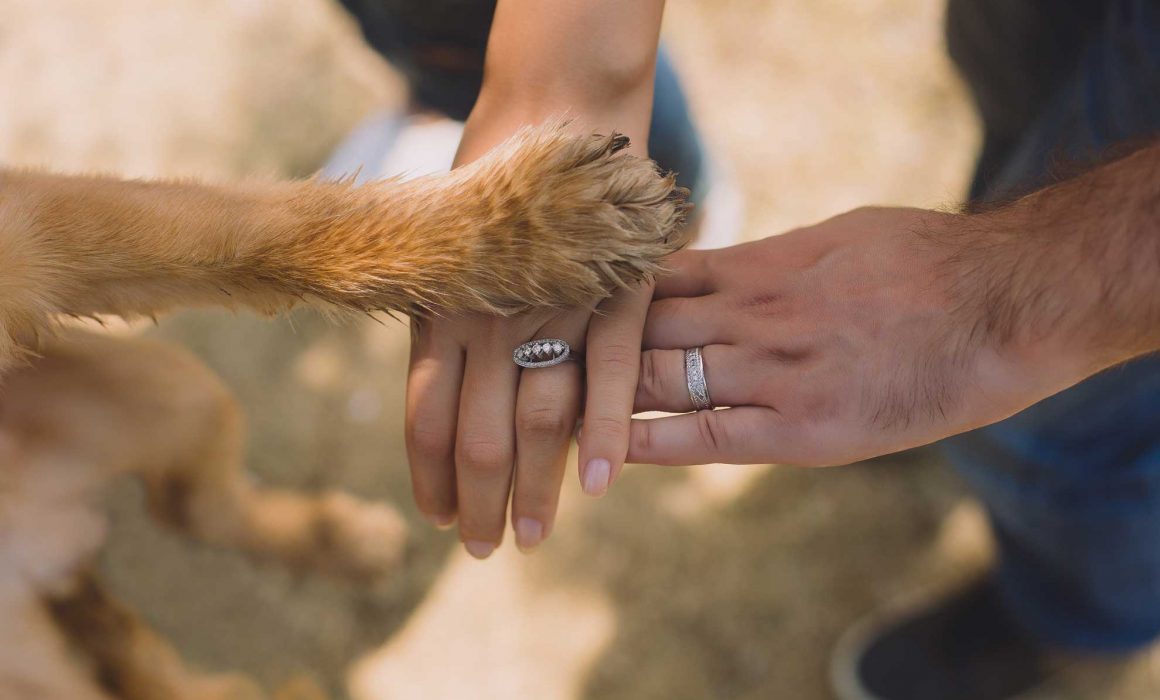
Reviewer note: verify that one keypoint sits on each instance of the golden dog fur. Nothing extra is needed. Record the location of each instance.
(548, 218)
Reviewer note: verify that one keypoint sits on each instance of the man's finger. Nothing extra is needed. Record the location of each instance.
(663, 385)
(436, 371)
(613, 362)
(743, 435)
(686, 322)
(688, 275)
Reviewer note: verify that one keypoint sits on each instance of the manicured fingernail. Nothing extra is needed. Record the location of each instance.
(479, 549)
(596, 476)
(443, 522)
(529, 533)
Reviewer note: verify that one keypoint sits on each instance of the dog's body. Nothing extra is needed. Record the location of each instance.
(547, 219)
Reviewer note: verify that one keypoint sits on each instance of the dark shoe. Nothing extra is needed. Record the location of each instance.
(964, 648)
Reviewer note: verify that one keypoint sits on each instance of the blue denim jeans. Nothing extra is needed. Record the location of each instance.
(1072, 484)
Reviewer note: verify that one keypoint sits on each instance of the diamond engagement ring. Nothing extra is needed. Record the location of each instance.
(695, 378)
(545, 352)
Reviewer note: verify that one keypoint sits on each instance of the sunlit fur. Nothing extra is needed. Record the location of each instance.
(547, 219)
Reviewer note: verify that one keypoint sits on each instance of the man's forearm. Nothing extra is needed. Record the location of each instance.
(1071, 271)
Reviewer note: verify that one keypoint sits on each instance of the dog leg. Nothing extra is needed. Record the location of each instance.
(62, 638)
(153, 410)
(549, 218)
(130, 661)
(204, 490)
(38, 662)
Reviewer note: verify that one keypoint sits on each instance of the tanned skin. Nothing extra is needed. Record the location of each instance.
(1071, 272)
(479, 432)
(884, 329)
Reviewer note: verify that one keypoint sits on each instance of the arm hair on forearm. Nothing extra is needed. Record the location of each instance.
(1074, 266)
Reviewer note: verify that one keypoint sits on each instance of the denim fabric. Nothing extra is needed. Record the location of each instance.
(1072, 484)
(439, 45)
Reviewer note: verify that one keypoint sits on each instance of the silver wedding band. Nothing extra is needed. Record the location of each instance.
(544, 352)
(695, 378)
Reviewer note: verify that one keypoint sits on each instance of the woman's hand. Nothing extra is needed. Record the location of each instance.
(479, 428)
(472, 415)
(860, 336)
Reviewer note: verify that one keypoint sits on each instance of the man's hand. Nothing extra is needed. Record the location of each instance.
(872, 332)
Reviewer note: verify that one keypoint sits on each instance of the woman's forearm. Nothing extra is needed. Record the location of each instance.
(596, 51)
(592, 62)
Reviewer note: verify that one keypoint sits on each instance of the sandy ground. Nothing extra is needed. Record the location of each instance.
(717, 582)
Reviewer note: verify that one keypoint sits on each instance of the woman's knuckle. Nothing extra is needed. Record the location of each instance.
(427, 441)
(619, 356)
(607, 427)
(431, 497)
(543, 421)
(482, 456)
(534, 503)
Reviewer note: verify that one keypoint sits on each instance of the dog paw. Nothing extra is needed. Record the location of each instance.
(555, 218)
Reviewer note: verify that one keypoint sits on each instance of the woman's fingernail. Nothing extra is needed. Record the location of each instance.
(479, 549)
(529, 533)
(440, 520)
(596, 476)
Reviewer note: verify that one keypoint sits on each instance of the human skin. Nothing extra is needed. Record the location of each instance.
(884, 329)
(477, 428)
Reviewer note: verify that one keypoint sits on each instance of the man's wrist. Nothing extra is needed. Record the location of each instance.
(1068, 276)
(1007, 293)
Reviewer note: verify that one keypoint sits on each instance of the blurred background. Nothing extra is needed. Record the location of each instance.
(714, 582)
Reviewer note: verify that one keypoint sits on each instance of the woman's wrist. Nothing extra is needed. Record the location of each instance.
(499, 113)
